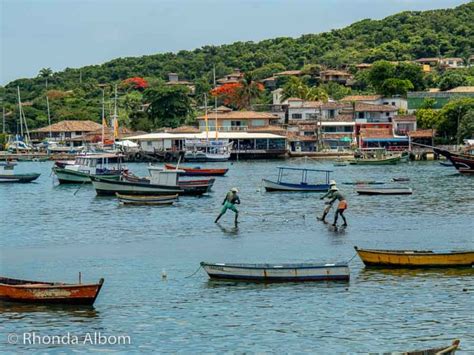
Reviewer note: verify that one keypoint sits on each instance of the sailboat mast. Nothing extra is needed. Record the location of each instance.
(115, 114)
(103, 116)
(3, 120)
(20, 110)
(49, 116)
(206, 119)
(215, 101)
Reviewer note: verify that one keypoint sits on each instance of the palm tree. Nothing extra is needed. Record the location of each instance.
(296, 88)
(248, 91)
(45, 73)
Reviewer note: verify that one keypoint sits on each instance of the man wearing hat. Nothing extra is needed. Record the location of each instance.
(341, 207)
(231, 199)
(329, 194)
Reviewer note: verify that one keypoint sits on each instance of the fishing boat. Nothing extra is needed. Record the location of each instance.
(384, 191)
(198, 171)
(48, 292)
(446, 164)
(104, 165)
(443, 350)
(277, 272)
(463, 162)
(303, 186)
(415, 258)
(190, 187)
(375, 156)
(400, 179)
(7, 174)
(33, 158)
(147, 200)
(197, 150)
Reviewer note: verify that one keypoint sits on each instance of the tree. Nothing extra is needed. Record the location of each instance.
(393, 86)
(379, 72)
(247, 91)
(136, 83)
(335, 90)
(412, 72)
(466, 125)
(170, 105)
(452, 114)
(427, 118)
(294, 87)
(450, 80)
(428, 102)
(45, 72)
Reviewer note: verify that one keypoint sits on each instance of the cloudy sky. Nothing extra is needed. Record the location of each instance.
(73, 33)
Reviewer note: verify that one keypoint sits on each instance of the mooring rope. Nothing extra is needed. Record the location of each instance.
(355, 254)
(194, 273)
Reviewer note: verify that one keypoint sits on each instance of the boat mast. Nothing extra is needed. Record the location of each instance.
(19, 110)
(3, 120)
(103, 116)
(49, 116)
(206, 119)
(115, 114)
(215, 100)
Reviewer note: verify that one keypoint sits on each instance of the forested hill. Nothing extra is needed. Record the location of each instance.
(407, 35)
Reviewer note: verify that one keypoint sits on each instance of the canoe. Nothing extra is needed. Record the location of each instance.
(401, 179)
(20, 178)
(302, 187)
(277, 272)
(197, 171)
(48, 292)
(384, 191)
(443, 350)
(147, 200)
(415, 258)
(382, 161)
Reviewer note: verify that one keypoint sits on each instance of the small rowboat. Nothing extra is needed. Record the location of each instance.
(375, 161)
(364, 182)
(278, 272)
(147, 200)
(384, 191)
(48, 292)
(7, 174)
(415, 258)
(401, 179)
(197, 171)
(443, 350)
(302, 186)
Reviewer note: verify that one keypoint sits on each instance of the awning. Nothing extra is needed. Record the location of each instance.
(390, 140)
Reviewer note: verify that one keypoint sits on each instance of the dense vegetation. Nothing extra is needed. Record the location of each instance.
(75, 93)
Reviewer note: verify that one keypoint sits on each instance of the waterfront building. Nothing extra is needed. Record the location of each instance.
(229, 120)
(65, 131)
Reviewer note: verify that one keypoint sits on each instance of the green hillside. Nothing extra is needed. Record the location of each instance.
(404, 36)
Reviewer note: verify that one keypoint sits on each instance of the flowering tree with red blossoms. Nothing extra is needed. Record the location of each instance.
(136, 82)
(239, 95)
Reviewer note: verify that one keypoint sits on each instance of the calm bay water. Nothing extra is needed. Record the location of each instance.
(48, 233)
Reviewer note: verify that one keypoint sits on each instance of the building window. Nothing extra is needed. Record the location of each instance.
(393, 103)
(332, 113)
(387, 114)
(258, 123)
(296, 116)
(149, 143)
(361, 114)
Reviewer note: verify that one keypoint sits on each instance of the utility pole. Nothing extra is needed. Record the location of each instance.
(3, 120)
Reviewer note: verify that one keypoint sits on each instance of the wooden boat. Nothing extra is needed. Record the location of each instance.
(63, 163)
(375, 161)
(197, 171)
(147, 200)
(33, 158)
(364, 182)
(48, 292)
(104, 186)
(375, 156)
(302, 186)
(449, 164)
(104, 165)
(415, 258)
(401, 179)
(463, 162)
(443, 350)
(197, 150)
(384, 191)
(8, 175)
(277, 272)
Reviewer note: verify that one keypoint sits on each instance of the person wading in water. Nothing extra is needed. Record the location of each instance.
(230, 200)
(330, 195)
(341, 207)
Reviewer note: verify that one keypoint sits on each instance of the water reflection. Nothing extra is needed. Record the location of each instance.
(15, 310)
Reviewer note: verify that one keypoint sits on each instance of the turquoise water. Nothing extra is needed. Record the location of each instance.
(50, 233)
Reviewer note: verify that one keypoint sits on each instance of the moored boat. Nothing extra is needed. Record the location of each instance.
(375, 156)
(277, 272)
(104, 165)
(463, 162)
(442, 350)
(198, 171)
(147, 200)
(375, 161)
(364, 182)
(415, 258)
(384, 190)
(8, 175)
(303, 186)
(48, 292)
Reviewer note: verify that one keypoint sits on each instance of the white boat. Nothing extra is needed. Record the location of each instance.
(384, 191)
(105, 165)
(278, 272)
(206, 150)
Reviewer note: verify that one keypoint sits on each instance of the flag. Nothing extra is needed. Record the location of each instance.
(116, 128)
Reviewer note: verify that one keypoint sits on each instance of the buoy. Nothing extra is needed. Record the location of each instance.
(163, 274)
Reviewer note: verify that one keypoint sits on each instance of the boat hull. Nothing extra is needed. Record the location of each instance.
(48, 293)
(19, 178)
(281, 186)
(415, 259)
(386, 161)
(277, 273)
(111, 187)
(147, 200)
(66, 176)
(198, 171)
(384, 191)
(463, 163)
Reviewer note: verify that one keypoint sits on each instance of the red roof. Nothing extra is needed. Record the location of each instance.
(404, 118)
(422, 133)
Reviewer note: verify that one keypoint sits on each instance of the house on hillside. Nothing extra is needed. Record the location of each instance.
(173, 79)
(231, 78)
(338, 76)
(452, 63)
(65, 131)
(228, 120)
(396, 101)
(402, 124)
(363, 66)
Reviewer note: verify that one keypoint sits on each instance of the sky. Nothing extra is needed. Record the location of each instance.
(72, 33)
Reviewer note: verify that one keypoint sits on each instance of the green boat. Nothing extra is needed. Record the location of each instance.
(375, 156)
(375, 161)
(33, 158)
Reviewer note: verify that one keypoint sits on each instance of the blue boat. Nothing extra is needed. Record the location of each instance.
(302, 186)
